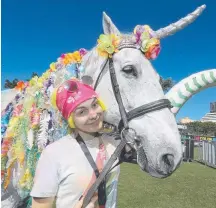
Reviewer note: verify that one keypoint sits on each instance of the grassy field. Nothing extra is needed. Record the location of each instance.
(192, 186)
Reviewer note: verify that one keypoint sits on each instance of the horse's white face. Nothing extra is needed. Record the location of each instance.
(139, 84)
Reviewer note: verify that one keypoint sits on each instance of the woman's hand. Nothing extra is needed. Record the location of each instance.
(91, 203)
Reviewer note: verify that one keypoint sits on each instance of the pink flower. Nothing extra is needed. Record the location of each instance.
(17, 110)
(153, 52)
(63, 55)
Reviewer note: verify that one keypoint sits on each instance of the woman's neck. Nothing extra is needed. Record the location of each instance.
(87, 135)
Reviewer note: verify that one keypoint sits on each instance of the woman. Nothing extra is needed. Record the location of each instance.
(64, 173)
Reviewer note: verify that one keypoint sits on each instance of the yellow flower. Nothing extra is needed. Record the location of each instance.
(147, 28)
(77, 57)
(46, 75)
(33, 81)
(10, 133)
(13, 121)
(40, 82)
(108, 45)
(28, 101)
(115, 41)
(52, 66)
(18, 149)
(102, 53)
(27, 177)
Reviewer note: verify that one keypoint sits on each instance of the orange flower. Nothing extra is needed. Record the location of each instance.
(20, 85)
(68, 58)
(115, 41)
(152, 52)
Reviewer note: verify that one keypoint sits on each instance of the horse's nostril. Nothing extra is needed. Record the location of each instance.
(167, 163)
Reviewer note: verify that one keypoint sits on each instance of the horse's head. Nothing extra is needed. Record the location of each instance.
(161, 151)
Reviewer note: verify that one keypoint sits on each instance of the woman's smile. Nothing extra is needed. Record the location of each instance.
(96, 121)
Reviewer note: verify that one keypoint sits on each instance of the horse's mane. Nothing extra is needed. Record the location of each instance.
(30, 122)
(91, 62)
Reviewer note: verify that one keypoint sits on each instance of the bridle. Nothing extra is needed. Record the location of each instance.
(127, 134)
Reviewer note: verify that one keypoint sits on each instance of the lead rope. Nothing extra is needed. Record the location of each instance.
(102, 186)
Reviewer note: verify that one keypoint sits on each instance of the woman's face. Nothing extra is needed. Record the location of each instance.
(88, 116)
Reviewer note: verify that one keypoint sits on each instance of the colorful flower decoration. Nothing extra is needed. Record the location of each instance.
(108, 44)
(74, 57)
(146, 38)
(34, 116)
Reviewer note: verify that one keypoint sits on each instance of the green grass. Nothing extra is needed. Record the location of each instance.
(192, 186)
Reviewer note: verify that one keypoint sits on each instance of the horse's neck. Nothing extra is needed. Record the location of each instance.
(93, 64)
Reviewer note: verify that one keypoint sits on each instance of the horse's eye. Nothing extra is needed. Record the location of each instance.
(130, 70)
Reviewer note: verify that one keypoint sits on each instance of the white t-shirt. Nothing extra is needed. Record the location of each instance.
(64, 171)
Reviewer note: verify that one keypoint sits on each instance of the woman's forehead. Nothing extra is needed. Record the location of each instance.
(87, 103)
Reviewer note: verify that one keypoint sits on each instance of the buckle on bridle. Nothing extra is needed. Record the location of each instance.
(129, 135)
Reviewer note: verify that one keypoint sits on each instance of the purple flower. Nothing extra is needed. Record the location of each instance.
(83, 51)
(138, 32)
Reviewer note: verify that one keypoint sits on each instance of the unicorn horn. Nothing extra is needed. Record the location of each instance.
(180, 24)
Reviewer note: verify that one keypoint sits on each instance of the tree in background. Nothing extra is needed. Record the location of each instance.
(201, 128)
(33, 75)
(11, 84)
(166, 83)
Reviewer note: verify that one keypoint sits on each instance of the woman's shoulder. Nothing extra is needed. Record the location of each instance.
(60, 144)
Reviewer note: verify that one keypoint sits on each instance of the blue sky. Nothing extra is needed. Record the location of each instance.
(36, 33)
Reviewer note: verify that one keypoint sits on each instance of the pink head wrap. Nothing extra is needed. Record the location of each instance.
(71, 94)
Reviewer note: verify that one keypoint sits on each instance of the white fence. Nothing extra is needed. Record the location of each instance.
(207, 153)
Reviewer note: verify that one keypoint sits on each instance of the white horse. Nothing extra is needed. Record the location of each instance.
(157, 130)
(139, 84)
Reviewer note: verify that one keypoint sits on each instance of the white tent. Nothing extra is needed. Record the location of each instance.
(6, 97)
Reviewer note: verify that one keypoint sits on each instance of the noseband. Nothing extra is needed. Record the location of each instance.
(127, 134)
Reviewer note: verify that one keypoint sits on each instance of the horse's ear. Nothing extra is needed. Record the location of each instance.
(108, 26)
(87, 80)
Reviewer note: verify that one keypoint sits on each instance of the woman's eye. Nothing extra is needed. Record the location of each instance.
(82, 112)
(130, 70)
(95, 105)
